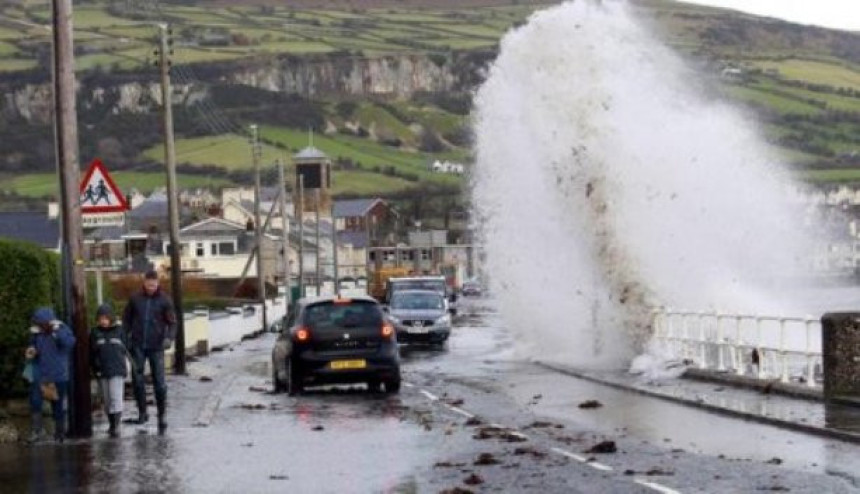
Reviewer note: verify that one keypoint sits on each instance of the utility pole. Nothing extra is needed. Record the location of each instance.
(285, 230)
(69, 173)
(334, 252)
(301, 218)
(319, 248)
(256, 154)
(164, 63)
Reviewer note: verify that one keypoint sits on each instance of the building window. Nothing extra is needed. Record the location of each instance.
(226, 248)
(425, 255)
(201, 250)
(213, 249)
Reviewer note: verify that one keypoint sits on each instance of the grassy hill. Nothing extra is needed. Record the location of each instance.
(802, 83)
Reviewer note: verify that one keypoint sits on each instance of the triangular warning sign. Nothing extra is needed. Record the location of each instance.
(99, 193)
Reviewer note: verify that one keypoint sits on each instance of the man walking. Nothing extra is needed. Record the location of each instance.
(150, 323)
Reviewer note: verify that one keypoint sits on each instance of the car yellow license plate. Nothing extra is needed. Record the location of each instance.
(348, 364)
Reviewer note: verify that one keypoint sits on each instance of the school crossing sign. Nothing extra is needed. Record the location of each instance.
(102, 203)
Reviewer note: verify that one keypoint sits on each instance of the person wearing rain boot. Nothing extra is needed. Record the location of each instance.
(108, 364)
(51, 343)
(150, 324)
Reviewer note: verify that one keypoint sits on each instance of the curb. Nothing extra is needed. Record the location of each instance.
(784, 424)
(762, 385)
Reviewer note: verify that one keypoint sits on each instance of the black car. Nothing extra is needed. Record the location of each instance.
(329, 340)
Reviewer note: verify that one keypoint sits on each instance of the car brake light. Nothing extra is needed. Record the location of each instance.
(342, 301)
(387, 330)
(303, 335)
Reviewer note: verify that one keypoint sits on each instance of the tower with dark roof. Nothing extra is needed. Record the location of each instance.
(315, 167)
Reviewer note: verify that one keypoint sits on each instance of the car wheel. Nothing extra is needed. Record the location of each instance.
(294, 385)
(277, 384)
(374, 386)
(392, 386)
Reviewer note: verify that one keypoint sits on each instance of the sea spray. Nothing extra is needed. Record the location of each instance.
(608, 184)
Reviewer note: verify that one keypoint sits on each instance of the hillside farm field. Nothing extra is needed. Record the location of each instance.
(46, 184)
(245, 29)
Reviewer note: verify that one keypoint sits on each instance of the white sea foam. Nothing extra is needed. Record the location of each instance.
(607, 182)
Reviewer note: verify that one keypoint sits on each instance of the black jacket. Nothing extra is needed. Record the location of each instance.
(108, 352)
(149, 320)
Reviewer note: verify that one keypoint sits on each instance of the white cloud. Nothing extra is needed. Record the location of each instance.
(837, 14)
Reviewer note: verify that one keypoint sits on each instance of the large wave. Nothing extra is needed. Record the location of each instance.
(607, 183)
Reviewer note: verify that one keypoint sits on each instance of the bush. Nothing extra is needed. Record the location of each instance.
(29, 278)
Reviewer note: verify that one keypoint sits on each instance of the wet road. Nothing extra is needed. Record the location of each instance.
(471, 416)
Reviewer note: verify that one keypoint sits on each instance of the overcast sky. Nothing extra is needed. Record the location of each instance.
(839, 14)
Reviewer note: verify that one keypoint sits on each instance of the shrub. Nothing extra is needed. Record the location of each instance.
(29, 278)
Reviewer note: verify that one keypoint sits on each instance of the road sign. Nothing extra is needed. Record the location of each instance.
(99, 193)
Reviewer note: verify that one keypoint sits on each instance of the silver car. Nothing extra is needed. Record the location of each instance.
(419, 316)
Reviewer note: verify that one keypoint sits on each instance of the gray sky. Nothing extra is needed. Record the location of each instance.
(838, 14)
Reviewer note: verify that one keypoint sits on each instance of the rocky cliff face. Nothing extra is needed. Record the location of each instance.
(389, 76)
(393, 76)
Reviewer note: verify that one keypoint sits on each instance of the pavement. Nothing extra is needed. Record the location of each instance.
(792, 408)
(472, 417)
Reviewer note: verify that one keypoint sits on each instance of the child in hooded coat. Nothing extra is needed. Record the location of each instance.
(51, 344)
(108, 363)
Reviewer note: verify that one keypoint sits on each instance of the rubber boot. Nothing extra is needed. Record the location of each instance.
(113, 419)
(142, 416)
(162, 423)
(36, 432)
(60, 431)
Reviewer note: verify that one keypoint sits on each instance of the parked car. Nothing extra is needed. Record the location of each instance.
(419, 316)
(329, 340)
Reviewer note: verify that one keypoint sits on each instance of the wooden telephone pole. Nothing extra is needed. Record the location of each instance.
(256, 154)
(172, 198)
(69, 173)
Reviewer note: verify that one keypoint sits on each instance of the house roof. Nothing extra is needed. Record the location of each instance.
(354, 207)
(106, 233)
(358, 240)
(213, 225)
(310, 153)
(33, 227)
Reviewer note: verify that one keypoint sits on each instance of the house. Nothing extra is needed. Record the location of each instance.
(352, 254)
(36, 227)
(200, 199)
(237, 205)
(428, 252)
(375, 217)
(219, 248)
(448, 167)
(151, 216)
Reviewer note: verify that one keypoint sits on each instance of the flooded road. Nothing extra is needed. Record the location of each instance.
(471, 416)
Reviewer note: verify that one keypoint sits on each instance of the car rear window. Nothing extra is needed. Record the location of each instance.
(417, 301)
(437, 285)
(354, 314)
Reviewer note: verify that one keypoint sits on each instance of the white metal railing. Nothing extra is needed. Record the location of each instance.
(765, 347)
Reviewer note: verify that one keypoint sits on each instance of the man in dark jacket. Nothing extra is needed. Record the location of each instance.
(51, 343)
(108, 364)
(150, 324)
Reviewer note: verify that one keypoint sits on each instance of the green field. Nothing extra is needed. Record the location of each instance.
(374, 32)
(767, 100)
(367, 183)
(367, 153)
(231, 152)
(45, 184)
(817, 72)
